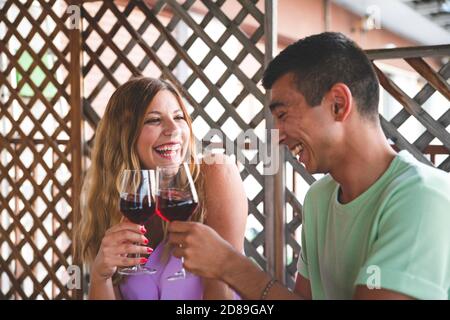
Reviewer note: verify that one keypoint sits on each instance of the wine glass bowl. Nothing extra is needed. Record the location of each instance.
(177, 198)
(137, 210)
(137, 204)
(174, 204)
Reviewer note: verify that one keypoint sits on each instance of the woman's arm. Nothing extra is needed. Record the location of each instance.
(226, 212)
(118, 242)
(102, 289)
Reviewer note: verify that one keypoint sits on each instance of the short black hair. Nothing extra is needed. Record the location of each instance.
(320, 61)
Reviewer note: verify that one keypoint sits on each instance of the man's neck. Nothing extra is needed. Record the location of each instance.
(367, 155)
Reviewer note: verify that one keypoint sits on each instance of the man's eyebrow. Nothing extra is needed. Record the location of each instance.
(276, 104)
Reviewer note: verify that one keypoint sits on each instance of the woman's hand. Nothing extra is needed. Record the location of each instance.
(118, 242)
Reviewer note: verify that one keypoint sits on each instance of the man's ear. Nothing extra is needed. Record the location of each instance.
(341, 100)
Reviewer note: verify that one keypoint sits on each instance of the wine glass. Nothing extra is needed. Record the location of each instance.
(176, 198)
(137, 204)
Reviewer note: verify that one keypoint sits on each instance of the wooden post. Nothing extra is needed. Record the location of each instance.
(327, 15)
(76, 133)
(274, 206)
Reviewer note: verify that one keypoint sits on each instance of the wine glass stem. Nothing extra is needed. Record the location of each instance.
(182, 271)
(138, 255)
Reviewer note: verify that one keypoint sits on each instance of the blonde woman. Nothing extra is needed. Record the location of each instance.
(146, 125)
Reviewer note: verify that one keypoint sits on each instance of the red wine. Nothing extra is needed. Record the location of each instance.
(175, 209)
(137, 211)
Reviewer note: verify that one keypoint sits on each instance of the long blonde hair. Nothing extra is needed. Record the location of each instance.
(114, 151)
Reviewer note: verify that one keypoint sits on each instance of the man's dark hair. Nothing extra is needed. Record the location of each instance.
(320, 61)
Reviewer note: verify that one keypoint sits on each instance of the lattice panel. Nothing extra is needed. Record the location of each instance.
(202, 48)
(35, 157)
(419, 125)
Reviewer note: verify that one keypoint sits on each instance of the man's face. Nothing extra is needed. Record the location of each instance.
(307, 131)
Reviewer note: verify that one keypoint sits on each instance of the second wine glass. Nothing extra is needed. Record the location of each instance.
(177, 198)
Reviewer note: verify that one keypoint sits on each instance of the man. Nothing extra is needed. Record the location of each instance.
(376, 226)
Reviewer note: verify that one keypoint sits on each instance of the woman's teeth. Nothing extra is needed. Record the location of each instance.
(168, 150)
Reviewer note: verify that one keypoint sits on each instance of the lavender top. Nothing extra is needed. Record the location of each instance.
(157, 287)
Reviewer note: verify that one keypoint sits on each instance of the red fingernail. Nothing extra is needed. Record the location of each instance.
(149, 250)
(145, 241)
(144, 260)
(143, 230)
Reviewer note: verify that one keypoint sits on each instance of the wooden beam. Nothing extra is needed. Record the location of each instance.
(434, 79)
(76, 136)
(423, 95)
(409, 52)
(414, 109)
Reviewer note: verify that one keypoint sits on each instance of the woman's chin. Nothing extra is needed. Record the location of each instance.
(168, 160)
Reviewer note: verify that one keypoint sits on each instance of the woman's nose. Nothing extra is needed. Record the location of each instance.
(171, 127)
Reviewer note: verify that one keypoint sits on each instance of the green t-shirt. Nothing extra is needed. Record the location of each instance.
(396, 235)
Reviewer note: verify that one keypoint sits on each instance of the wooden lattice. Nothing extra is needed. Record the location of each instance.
(36, 151)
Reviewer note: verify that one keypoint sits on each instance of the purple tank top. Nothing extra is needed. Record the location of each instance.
(157, 287)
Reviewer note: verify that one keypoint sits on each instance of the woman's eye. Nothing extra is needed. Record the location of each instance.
(179, 117)
(152, 121)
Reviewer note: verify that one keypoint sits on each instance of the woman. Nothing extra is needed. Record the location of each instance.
(146, 125)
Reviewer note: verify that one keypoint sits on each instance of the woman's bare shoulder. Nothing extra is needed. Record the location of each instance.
(215, 160)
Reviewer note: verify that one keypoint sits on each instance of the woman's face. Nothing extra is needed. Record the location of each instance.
(164, 138)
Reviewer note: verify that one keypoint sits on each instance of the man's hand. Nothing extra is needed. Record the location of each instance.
(204, 251)
(208, 255)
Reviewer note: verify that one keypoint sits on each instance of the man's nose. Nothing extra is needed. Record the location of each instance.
(282, 138)
(281, 134)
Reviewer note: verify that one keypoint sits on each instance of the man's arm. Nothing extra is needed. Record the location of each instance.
(250, 282)
(208, 255)
(364, 293)
(303, 287)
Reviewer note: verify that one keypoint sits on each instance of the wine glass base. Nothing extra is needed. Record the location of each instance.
(177, 276)
(136, 271)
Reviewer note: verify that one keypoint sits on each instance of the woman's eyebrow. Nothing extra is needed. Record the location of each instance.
(155, 112)
(159, 113)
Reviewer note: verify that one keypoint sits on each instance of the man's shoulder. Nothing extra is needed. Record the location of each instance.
(417, 191)
(323, 186)
(414, 175)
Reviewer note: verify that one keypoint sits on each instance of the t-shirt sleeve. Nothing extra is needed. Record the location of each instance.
(302, 263)
(411, 254)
